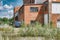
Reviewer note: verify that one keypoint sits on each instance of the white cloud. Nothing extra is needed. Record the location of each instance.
(8, 6)
(8, 14)
(5, 7)
(1, 8)
(9, 10)
(1, 5)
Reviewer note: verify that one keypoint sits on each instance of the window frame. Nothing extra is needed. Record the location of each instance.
(33, 9)
(54, 11)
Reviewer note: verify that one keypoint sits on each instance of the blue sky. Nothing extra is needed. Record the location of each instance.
(6, 7)
(12, 2)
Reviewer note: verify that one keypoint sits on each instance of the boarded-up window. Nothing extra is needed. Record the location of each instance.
(56, 8)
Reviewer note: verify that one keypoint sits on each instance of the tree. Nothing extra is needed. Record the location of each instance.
(11, 21)
(5, 20)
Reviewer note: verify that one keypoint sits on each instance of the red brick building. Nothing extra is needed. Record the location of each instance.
(55, 12)
(32, 11)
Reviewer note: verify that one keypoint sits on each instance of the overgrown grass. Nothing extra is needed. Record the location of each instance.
(34, 30)
(38, 30)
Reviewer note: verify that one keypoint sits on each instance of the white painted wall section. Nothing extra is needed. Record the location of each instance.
(45, 18)
(58, 24)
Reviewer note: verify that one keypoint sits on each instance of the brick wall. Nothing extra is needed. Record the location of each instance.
(28, 16)
(54, 17)
(28, 1)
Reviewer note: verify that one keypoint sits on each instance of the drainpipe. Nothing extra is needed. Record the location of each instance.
(45, 7)
(49, 10)
(44, 10)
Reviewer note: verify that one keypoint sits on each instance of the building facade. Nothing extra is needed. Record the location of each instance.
(40, 11)
(32, 11)
(55, 13)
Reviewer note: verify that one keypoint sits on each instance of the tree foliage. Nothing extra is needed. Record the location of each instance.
(6, 20)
